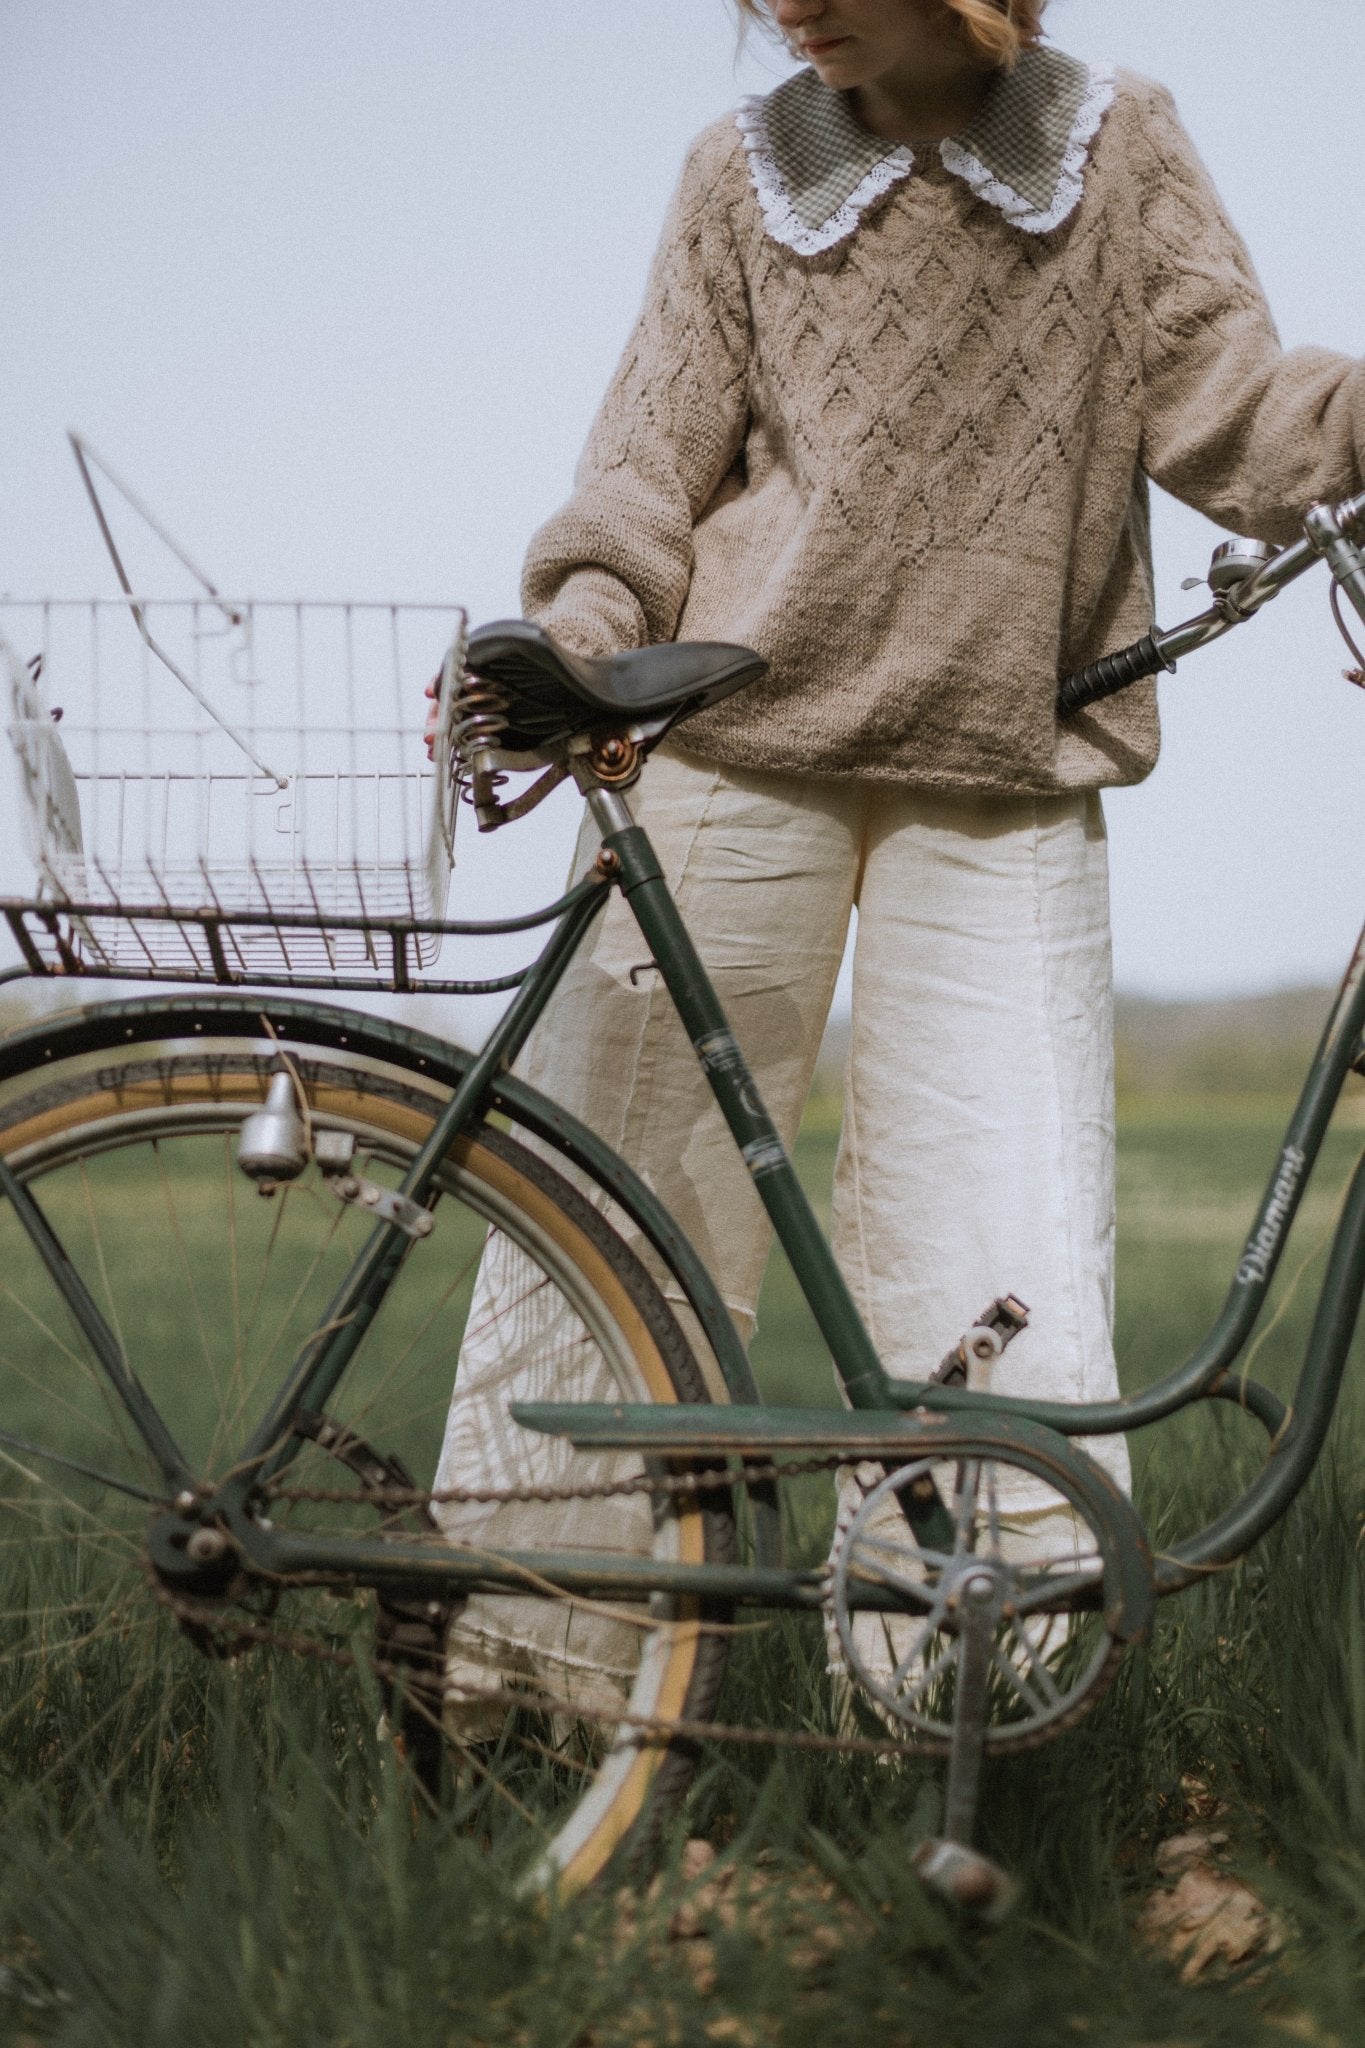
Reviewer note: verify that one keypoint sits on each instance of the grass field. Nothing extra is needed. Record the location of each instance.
(224, 1853)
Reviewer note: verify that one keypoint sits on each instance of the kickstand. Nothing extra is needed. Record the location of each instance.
(948, 1863)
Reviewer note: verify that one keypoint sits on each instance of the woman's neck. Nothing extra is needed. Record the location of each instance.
(939, 100)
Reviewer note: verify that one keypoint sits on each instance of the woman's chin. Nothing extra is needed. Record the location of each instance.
(842, 75)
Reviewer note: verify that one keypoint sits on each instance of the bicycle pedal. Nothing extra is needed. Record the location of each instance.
(993, 1329)
(966, 1879)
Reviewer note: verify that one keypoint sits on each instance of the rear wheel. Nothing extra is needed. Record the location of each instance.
(211, 1290)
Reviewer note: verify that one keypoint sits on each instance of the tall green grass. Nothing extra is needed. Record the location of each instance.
(225, 1853)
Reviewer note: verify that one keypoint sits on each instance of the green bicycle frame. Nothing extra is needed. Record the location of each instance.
(628, 861)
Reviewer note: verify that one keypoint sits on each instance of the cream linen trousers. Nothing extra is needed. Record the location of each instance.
(977, 1153)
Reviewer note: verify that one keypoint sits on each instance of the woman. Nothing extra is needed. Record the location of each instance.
(923, 322)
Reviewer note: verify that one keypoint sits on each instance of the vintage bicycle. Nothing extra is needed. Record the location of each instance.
(243, 1226)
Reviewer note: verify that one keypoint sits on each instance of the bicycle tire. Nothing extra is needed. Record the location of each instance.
(125, 1148)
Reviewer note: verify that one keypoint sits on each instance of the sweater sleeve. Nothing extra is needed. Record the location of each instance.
(610, 570)
(1243, 430)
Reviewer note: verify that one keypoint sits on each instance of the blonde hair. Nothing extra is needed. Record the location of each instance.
(998, 30)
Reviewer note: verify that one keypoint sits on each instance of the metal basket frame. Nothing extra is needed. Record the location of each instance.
(281, 842)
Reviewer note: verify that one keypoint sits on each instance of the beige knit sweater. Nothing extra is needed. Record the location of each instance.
(908, 466)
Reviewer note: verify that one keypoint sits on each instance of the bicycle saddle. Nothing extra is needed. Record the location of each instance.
(551, 693)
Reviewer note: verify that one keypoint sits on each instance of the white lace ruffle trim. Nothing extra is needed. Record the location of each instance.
(1099, 97)
(780, 217)
(785, 224)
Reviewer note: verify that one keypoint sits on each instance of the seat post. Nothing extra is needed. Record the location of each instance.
(610, 811)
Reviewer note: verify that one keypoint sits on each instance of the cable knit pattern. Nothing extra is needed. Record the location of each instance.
(910, 470)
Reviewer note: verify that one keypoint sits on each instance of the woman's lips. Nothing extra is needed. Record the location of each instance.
(820, 46)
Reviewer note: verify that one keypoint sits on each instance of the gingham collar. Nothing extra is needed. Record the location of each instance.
(816, 169)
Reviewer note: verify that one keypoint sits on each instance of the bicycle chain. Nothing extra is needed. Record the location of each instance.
(672, 1485)
(200, 1616)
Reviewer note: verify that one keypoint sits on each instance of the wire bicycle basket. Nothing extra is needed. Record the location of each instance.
(232, 791)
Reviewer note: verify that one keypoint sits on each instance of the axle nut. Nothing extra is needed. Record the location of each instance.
(206, 1546)
(615, 758)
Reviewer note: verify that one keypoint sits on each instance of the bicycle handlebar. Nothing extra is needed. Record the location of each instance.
(1329, 535)
(1111, 673)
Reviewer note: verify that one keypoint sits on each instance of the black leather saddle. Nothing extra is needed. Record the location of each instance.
(551, 694)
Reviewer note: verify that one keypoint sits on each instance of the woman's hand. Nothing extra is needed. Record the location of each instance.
(433, 691)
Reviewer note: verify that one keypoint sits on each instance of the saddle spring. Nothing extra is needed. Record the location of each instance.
(478, 729)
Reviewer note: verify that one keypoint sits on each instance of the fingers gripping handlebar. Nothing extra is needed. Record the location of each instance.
(1330, 533)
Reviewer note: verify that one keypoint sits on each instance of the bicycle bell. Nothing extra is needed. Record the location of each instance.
(1236, 560)
(273, 1144)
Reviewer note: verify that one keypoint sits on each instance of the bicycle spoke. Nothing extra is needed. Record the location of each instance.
(100, 1539)
(49, 1492)
(929, 1625)
(900, 1548)
(54, 1400)
(310, 1273)
(930, 1674)
(98, 1238)
(1036, 1594)
(230, 1179)
(45, 1328)
(247, 1388)
(969, 1476)
(869, 1570)
(109, 1628)
(1039, 1669)
(51, 1612)
(72, 1750)
(16, 1443)
(276, 1224)
(187, 1271)
(392, 1382)
(504, 1310)
(120, 1420)
(993, 1510)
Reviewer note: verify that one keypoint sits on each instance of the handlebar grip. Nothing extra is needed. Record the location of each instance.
(1111, 673)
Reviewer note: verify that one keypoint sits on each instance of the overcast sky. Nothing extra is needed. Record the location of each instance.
(338, 285)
